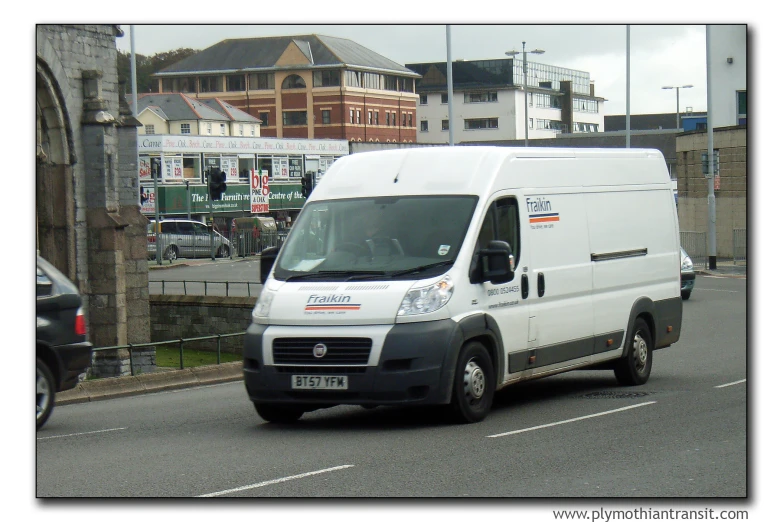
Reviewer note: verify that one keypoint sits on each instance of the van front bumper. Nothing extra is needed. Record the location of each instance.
(416, 366)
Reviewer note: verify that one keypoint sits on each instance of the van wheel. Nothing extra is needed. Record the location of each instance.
(44, 393)
(634, 368)
(278, 414)
(474, 384)
(686, 294)
(171, 253)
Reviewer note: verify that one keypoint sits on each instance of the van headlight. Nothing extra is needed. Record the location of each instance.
(687, 264)
(263, 305)
(427, 299)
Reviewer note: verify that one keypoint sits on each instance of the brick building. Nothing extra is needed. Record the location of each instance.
(310, 86)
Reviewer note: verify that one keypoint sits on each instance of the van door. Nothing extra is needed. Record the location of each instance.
(560, 305)
(506, 303)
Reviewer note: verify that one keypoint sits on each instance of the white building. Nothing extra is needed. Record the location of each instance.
(489, 97)
(728, 71)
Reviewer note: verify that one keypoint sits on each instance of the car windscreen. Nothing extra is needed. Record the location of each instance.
(376, 237)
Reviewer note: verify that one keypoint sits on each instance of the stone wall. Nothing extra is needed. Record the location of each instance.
(188, 316)
(730, 199)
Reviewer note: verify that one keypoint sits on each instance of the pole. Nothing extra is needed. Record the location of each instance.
(524, 85)
(711, 236)
(678, 108)
(187, 188)
(450, 81)
(627, 86)
(157, 208)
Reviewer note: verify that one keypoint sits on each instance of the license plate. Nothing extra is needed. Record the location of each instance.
(319, 382)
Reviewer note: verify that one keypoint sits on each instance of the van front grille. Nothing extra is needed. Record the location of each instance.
(339, 350)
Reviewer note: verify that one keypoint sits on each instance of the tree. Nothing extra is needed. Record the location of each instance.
(146, 66)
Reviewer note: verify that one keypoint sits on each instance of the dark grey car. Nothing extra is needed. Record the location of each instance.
(62, 353)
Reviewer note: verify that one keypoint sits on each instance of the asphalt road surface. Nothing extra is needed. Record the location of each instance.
(683, 434)
(239, 277)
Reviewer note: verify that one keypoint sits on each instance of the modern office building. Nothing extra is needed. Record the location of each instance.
(489, 97)
(306, 87)
(728, 71)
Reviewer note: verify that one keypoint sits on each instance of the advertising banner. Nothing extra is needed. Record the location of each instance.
(295, 164)
(280, 168)
(147, 199)
(259, 192)
(230, 165)
(145, 170)
(173, 169)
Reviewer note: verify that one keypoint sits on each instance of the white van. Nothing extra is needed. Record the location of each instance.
(439, 275)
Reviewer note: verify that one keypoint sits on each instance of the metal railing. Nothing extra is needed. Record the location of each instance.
(695, 244)
(740, 245)
(186, 287)
(235, 243)
(181, 342)
(250, 242)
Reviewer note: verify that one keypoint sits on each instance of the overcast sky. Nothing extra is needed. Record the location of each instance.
(660, 54)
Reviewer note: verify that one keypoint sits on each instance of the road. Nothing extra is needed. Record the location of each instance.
(241, 274)
(683, 434)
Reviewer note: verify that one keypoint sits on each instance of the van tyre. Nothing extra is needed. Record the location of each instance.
(44, 393)
(278, 413)
(686, 295)
(474, 384)
(635, 366)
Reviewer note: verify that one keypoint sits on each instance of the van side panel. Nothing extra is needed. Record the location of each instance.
(634, 250)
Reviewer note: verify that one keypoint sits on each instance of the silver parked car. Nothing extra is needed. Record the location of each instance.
(185, 238)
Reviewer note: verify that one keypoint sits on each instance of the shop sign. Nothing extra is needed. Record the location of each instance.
(173, 199)
(147, 199)
(280, 167)
(259, 192)
(295, 164)
(145, 170)
(230, 165)
(173, 169)
(168, 144)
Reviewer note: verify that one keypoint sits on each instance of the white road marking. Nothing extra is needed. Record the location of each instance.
(571, 420)
(715, 290)
(731, 383)
(276, 481)
(84, 433)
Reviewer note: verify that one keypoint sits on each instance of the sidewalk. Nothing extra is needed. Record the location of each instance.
(164, 380)
(152, 264)
(725, 268)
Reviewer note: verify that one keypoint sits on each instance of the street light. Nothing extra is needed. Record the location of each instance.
(524, 76)
(678, 99)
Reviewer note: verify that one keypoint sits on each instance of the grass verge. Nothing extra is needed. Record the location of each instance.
(168, 357)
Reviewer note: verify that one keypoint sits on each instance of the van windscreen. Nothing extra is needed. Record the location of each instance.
(338, 239)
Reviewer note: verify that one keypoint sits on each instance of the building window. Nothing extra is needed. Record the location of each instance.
(326, 116)
(235, 82)
(184, 128)
(742, 107)
(372, 81)
(293, 82)
(358, 117)
(444, 125)
(252, 130)
(394, 119)
(388, 116)
(481, 123)
(444, 98)
(352, 79)
(369, 117)
(547, 101)
(376, 118)
(481, 97)
(350, 117)
(423, 99)
(329, 78)
(425, 126)
(149, 129)
(209, 129)
(294, 117)
(582, 105)
(404, 119)
(222, 129)
(410, 119)
(241, 130)
(530, 123)
(261, 81)
(264, 117)
(211, 84)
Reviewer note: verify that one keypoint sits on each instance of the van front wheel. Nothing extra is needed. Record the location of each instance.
(474, 384)
(634, 368)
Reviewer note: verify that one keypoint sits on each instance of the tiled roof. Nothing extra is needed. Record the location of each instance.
(229, 110)
(250, 54)
(177, 106)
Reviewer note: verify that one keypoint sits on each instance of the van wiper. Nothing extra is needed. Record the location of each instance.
(335, 273)
(419, 268)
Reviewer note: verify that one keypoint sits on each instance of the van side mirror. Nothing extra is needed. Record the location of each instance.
(268, 256)
(495, 263)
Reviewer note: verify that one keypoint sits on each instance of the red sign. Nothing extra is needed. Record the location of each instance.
(259, 192)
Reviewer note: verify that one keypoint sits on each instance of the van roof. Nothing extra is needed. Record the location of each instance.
(476, 170)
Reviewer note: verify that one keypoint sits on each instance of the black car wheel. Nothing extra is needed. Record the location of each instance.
(44, 393)
(171, 253)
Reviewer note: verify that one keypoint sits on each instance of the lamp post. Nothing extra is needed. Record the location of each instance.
(678, 99)
(524, 77)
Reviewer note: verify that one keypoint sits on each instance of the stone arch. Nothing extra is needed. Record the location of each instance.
(54, 210)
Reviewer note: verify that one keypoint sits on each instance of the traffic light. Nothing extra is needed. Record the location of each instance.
(307, 184)
(217, 184)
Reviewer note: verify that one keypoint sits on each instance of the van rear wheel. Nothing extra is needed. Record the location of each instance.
(474, 384)
(635, 366)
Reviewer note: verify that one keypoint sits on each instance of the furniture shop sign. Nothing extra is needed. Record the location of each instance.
(259, 192)
(175, 199)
